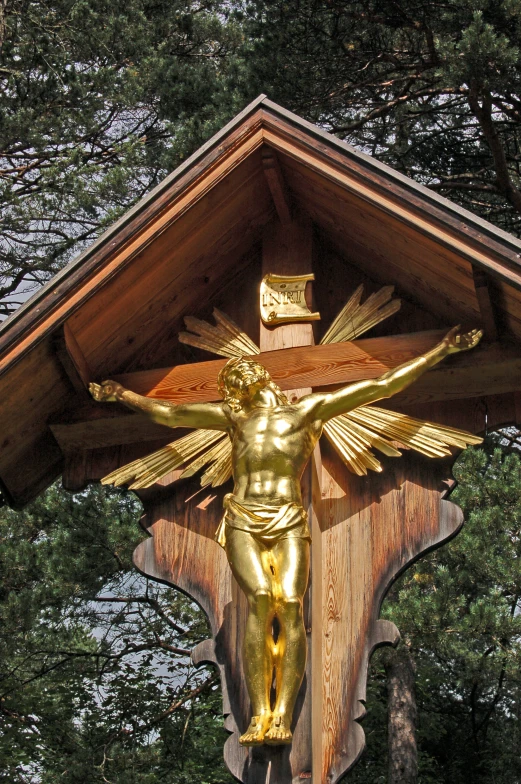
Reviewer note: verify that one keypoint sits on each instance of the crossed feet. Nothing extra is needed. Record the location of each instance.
(270, 728)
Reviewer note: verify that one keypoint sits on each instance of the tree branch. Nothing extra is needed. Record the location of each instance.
(483, 113)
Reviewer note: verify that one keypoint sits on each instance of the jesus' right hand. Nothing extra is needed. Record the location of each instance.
(106, 392)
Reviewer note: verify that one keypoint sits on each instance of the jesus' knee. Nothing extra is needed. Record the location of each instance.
(290, 609)
(261, 602)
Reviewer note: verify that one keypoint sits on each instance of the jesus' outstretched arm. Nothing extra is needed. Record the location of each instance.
(208, 415)
(327, 406)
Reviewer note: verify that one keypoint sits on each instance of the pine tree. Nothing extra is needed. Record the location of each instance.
(458, 611)
(99, 101)
(432, 89)
(96, 680)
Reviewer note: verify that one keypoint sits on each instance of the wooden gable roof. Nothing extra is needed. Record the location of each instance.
(122, 301)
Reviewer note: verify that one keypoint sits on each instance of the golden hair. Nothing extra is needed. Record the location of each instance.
(232, 399)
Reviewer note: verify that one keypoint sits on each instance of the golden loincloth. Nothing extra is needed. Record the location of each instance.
(268, 524)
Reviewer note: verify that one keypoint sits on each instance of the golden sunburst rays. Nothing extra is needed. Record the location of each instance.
(355, 319)
(354, 434)
(206, 446)
(225, 339)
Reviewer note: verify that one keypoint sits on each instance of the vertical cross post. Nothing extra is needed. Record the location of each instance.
(288, 250)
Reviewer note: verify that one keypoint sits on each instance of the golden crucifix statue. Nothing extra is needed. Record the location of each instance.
(264, 528)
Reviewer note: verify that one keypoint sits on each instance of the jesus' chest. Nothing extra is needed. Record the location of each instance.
(266, 436)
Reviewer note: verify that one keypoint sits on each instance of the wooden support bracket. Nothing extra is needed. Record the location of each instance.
(277, 185)
(486, 307)
(72, 360)
(517, 408)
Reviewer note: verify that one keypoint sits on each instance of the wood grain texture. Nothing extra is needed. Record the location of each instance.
(343, 363)
(484, 288)
(299, 142)
(371, 528)
(450, 227)
(109, 431)
(291, 368)
(277, 185)
(175, 555)
(73, 361)
(490, 370)
(287, 249)
(135, 233)
(30, 458)
(365, 532)
(179, 553)
(507, 302)
(477, 415)
(176, 251)
(378, 244)
(177, 254)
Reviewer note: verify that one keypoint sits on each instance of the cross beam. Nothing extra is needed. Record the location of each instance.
(291, 368)
(489, 369)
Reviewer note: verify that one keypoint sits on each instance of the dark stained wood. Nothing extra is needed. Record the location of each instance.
(486, 307)
(178, 553)
(476, 240)
(163, 348)
(230, 149)
(106, 431)
(90, 465)
(185, 249)
(226, 606)
(180, 248)
(186, 265)
(277, 186)
(331, 292)
(46, 461)
(453, 226)
(73, 361)
(478, 415)
(28, 404)
(30, 458)
(508, 308)
(366, 538)
(384, 247)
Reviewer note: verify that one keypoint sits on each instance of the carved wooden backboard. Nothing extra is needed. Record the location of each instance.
(365, 532)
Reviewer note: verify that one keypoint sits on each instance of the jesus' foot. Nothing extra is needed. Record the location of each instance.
(254, 735)
(279, 731)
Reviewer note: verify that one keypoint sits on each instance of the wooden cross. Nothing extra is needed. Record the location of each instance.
(364, 530)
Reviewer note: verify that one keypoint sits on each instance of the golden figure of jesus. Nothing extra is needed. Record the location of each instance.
(265, 528)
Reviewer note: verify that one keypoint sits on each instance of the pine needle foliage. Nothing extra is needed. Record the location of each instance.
(458, 611)
(97, 684)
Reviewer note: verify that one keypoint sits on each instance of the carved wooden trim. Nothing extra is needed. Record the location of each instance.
(367, 532)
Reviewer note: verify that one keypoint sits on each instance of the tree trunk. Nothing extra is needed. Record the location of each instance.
(402, 717)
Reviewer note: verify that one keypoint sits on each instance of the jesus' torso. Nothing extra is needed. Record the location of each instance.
(270, 449)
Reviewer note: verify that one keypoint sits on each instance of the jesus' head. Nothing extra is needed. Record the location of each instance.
(241, 378)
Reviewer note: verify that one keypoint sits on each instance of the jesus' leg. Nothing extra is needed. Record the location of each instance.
(291, 557)
(250, 564)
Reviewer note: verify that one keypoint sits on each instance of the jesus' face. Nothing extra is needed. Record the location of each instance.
(244, 378)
